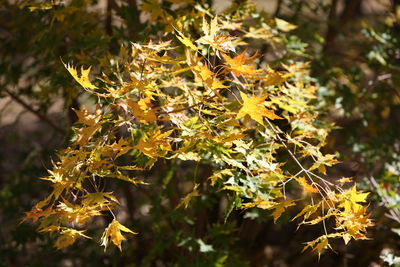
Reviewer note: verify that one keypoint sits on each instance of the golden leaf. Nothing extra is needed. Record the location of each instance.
(351, 198)
(305, 185)
(274, 77)
(217, 175)
(318, 244)
(186, 200)
(113, 233)
(84, 117)
(36, 213)
(207, 77)
(280, 208)
(307, 211)
(68, 237)
(83, 79)
(186, 41)
(255, 109)
(156, 142)
(99, 198)
(241, 65)
(212, 37)
(141, 110)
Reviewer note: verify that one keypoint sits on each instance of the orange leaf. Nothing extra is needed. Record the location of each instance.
(242, 65)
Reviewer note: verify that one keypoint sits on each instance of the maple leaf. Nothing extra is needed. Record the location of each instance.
(217, 175)
(141, 110)
(68, 237)
(318, 244)
(156, 142)
(36, 213)
(253, 106)
(241, 65)
(84, 134)
(186, 41)
(211, 37)
(84, 117)
(208, 77)
(307, 211)
(260, 203)
(189, 156)
(305, 185)
(113, 233)
(351, 198)
(263, 33)
(91, 121)
(322, 161)
(185, 200)
(120, 148)
(274, 77)
(280, 208)
(83, 79)
(99, 198)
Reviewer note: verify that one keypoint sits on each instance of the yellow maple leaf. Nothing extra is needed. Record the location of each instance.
(204, 72)
(83, 79)
(274, 77)
(205, 75)
(184, 40)
(241, 65)
(307, 211)
(218, 175)
(322, 245)
(84, 117)
(305, 185)
(36, 213)
(255, 109)
(141, 110)
(85, 134)
(186, 200)
(351, 198)
(357, 196)
(260, 203)
(68, 237)
(91, 122)
(113, 233)
(214, 38)
(156, 142)
(319, 244)
(280, 208)
(99, 198)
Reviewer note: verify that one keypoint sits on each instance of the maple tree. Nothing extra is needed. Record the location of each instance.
(210, 137)
(199, 95)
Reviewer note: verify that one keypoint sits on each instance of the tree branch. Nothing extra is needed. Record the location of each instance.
(17, 99)
(278, 8)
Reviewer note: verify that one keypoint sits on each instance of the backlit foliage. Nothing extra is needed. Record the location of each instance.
(203, 94)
